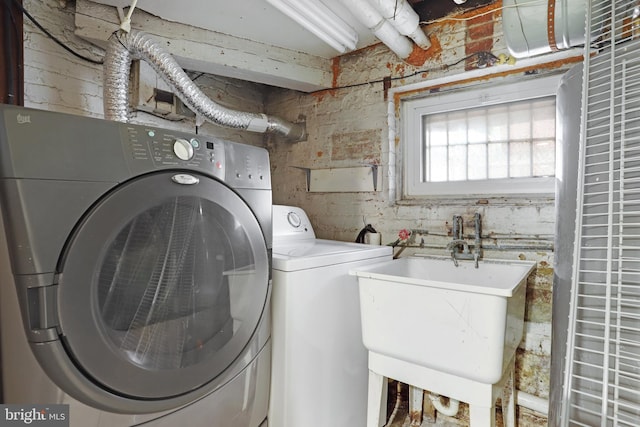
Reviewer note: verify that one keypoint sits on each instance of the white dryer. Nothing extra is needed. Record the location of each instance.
(319, 365)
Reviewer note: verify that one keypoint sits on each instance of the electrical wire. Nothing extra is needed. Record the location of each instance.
(486, 56)
(52, 37)
(488, 12)
(524, 35)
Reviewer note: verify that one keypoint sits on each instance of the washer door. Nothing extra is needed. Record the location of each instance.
(162, 285)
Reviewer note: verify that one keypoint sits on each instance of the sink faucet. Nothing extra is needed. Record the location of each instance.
(455, 244)
(453, 247)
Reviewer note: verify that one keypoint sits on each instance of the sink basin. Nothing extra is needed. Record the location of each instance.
(463, 321)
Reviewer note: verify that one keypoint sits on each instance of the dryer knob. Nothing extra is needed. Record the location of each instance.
(183, 149)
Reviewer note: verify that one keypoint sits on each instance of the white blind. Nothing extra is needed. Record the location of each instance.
(602, 382)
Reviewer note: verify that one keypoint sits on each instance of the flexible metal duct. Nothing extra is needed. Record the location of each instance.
(124, 47)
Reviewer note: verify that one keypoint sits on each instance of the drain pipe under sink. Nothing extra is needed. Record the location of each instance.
(449, 411)
(523, 399)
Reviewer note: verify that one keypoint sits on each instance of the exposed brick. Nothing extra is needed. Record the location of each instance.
(363, 146)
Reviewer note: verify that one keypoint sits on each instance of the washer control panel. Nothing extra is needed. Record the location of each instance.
(290, 222)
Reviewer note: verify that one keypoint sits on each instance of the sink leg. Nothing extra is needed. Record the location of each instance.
(415, 405)
(481, 416)
(509, 400)
(377, 400)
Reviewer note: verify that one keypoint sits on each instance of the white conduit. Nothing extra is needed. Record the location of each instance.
(124, 47)
(450, 410)
(382, 28)
(403, 18)
(535, 403)
(523, 399)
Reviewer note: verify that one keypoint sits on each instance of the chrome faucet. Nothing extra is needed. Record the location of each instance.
(458, 241)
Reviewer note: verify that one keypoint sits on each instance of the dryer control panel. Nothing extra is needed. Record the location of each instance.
(241, 165)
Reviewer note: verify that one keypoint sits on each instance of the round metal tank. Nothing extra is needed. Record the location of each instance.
(528, 26)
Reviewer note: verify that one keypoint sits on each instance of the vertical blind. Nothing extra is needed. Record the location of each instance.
(602, 379)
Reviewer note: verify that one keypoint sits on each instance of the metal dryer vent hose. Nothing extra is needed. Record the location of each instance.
(123, 47)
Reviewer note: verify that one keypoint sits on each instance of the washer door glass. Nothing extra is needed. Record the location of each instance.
(162, 286)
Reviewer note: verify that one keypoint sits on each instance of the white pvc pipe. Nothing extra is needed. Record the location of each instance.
(383, 29)
(449, 411)
(523, 399)
(403, 18)
(535, 403)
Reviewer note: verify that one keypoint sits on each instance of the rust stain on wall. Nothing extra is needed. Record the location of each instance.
(319, 96)
(419, 56)
(319, 153)
(335, 69)
(545, 269)
(547, 66)
(335, 78)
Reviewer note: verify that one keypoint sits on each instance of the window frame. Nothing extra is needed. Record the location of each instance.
(413, 111)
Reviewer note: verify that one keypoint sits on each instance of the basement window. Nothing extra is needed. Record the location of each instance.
(495, 140)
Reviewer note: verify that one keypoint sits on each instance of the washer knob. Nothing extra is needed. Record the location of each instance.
(183, 149)
(294, 219)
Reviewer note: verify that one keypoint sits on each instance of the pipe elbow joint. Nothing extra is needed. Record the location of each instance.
(450, 410)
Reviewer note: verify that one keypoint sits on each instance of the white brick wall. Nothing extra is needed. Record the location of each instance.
(54, 79)
(362, 110)
(57, 81)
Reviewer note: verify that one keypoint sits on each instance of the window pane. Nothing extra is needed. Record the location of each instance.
(544, 158)
(498, 121)
(457, 128)
(498, 161)
(458, 163)
(519, 159)
(436, 130)
(544, 119)
(519, 122)
(477, 122)
(477, 161)
(438, 165)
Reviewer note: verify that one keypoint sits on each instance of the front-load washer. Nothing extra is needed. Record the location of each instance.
(319, 370)
(135, 272)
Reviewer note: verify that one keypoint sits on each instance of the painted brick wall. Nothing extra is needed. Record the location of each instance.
(58, 81)
(347, 127)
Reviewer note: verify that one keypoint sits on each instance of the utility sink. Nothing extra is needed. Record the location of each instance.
(463, 321)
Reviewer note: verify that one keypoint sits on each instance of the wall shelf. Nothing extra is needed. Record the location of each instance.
(342, 180)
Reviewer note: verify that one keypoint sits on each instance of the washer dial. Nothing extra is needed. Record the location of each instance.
(294, 219)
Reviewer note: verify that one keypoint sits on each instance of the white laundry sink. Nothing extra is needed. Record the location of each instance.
(463, 321)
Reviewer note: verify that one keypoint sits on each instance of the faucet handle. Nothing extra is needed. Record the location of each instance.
(457, 227)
